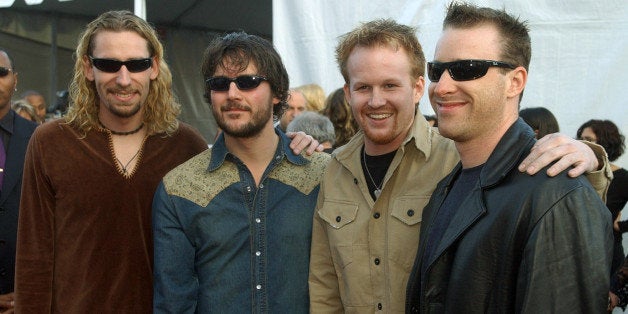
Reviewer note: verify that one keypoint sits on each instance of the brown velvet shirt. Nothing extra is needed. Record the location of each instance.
(84, 232)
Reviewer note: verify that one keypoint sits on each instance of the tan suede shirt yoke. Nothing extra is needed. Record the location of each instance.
(362, 251)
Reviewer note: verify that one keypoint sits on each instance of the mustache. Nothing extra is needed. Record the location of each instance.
(236, 106)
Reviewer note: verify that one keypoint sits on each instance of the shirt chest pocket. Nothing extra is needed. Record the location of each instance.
(403, 232)
(340, 219)
(338, 214)
(409, 209)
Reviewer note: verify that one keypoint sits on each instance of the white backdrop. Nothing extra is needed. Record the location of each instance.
(579, 67)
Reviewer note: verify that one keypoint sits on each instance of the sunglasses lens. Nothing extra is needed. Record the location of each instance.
(139, 65)
(248, 82)
(4, 72)
(107, 65)
(463, 70)
(113, 66)
(467, 70)
(244, 82)
(434, 71)
(219, 84)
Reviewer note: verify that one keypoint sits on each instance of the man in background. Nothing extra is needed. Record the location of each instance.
(296, 106)
(316, 125)
(36, 99)
(15, 132)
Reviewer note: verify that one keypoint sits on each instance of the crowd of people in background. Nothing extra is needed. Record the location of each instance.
(123, 208)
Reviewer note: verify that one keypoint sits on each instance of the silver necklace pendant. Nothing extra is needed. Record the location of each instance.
(378, 189)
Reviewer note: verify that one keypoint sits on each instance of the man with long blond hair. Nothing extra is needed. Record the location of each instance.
(84, 234)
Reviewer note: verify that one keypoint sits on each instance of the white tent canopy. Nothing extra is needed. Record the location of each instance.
(579, 67)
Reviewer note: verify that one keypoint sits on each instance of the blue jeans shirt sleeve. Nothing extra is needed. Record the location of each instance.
(175, 283)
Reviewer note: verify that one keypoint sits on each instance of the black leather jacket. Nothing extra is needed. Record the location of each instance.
(517, 244)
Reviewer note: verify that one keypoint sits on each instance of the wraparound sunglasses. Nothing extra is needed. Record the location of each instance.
(243, 82)
(113, 66)
(5, 71)
(463, 70)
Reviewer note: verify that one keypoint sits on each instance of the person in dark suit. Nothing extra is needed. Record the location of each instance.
(15, 133)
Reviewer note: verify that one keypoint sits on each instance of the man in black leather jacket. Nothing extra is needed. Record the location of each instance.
(494, 240)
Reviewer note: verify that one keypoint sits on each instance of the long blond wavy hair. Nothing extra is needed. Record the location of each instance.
(160, 109)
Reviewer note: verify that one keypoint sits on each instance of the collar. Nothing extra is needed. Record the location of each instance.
(220, 152)
(509, 152)
(6, 123)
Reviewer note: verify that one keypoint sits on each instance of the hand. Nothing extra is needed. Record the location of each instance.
(301, 141)
(613, 300)
(559, 146)
(7, 302)
(616, 223)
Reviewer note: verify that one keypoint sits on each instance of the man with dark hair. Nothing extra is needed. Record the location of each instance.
(37, 100)
(15, 132)
(493, 239)
(232, 226)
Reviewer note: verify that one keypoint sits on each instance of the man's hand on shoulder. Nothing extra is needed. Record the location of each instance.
(566, 150)
(301, 141)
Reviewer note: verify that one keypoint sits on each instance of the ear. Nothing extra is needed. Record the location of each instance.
(154, 70)
(88, 70)
(518, 80)
(345, 88)
(418, 89)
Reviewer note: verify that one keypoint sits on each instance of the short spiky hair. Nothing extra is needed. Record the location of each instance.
(161, 110)
(381, 32)
(239, 49)
(515, 35)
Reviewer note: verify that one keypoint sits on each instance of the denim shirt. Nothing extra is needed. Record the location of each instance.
(225, 245)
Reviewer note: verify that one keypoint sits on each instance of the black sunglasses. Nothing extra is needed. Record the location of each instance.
(243, 82)
(113, 66)
(463, 70)
(5, 71)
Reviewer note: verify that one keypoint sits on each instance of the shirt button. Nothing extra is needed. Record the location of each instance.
(338, 219)
(257, 220)
(355, 181)
(258, 287)
(261, 186)
(410, 212)
(376, 215)
(379, 306)
(248, 189)
(258, 253)
(377, 261)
